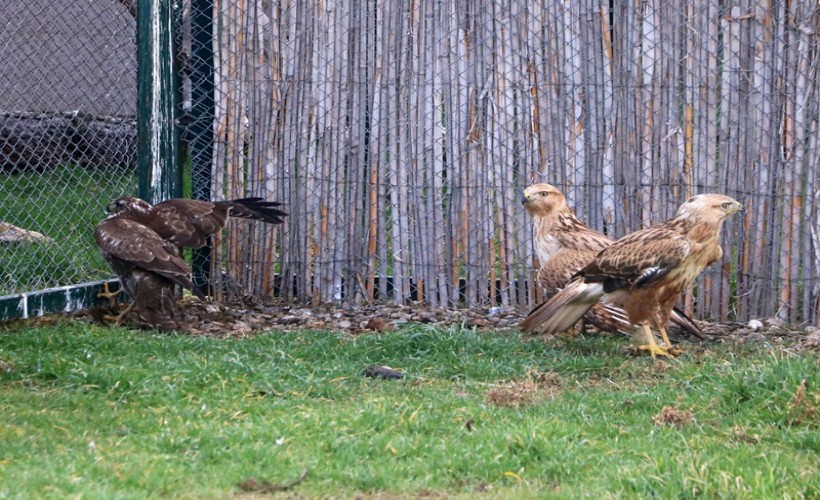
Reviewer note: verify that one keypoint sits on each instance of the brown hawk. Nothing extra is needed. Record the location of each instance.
(142, 242)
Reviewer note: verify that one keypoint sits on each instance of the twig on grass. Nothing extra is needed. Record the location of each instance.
(251, 485)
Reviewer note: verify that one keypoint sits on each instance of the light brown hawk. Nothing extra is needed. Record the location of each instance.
(643, 272)
(564, 245)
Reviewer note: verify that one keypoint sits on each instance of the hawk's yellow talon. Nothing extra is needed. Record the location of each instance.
(108, 294)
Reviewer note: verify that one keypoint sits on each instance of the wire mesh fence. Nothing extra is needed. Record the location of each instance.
(67, 136)
(401, 135)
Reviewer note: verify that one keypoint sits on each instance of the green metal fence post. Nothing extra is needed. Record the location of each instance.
(159, 172)
(202, 110)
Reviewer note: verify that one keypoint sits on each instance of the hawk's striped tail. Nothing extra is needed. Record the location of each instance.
(564, 309)
(256, 209)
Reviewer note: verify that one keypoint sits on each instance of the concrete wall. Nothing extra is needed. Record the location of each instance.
(64, 55)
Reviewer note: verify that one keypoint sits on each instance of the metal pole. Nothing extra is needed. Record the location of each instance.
(158, 167)
(202, 128)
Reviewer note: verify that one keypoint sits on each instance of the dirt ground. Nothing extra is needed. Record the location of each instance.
(215, 319)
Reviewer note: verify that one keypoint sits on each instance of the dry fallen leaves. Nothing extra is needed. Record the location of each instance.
(251, 316)
(216, 319)
(535, 386)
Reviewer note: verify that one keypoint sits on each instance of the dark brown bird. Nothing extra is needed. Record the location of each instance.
(188, 223)
(142, 244)
(643, 272)
(564, 245)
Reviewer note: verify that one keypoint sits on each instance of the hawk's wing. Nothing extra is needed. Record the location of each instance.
(187, 223)
(555, 274)
(638, 259)
(142, 247)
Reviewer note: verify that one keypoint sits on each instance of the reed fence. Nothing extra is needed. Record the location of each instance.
(401, 135)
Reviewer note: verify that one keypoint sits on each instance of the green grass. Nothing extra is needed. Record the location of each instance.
(99, 412)
(64, 204)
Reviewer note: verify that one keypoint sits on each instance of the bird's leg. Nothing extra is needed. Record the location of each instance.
(674, 351)
(652, 345)
(580, 326)
(108, 294)
(665, 337)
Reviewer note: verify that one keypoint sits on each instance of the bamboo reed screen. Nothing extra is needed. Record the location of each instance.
(401, 134)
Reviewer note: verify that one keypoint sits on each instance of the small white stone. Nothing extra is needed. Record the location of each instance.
(755, 325)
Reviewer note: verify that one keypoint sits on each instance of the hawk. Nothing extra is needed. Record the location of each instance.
(142, 242)
(643, 272)
(564, 245)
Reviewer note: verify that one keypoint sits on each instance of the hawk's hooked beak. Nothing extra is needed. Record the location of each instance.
(525, 200)
(736, 209)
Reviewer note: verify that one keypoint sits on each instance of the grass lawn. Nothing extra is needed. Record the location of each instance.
(103, 412)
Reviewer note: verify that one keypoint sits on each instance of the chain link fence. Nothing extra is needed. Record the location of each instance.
(67, 136)
(401, 135)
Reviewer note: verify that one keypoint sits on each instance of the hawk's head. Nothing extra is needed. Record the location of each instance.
(128, 205)
(544, 199)
(708, 208)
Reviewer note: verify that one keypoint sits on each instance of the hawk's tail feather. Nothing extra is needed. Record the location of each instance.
(681, 324)
(564, 309)
(609, 318)
(197, 292)
(257, 209)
